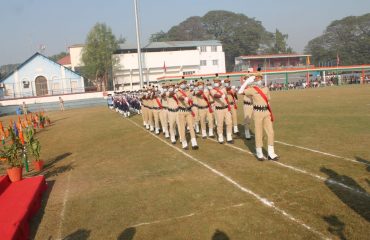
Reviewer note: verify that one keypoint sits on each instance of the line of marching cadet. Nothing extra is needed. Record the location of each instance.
(178, 107)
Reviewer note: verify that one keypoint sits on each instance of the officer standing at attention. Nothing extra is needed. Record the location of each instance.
(248, 111)
(172, 107)
(204, 109)
(262, 115)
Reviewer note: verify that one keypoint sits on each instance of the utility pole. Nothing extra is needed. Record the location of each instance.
(138, 43)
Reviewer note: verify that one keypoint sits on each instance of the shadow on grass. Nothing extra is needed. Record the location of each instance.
(57, 120)
(80, 234)
(336, 226)
(36, 220)
(47, 171)
(220, 235)
(357, 202)
(127, 234)
(358, 159)
(250, 144)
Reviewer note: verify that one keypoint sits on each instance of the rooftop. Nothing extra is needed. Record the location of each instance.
(65, 60)
(171, 44)
(273, 56)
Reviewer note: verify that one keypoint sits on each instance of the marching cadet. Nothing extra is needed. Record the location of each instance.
(144, 107)
(172, 107)
(233, 98)
(262, 115)
(185, 115)
(150, 108)
(156, 108)
(194, 107)
(204, 109)
(248, 111)
(222, 112)
(164, 111)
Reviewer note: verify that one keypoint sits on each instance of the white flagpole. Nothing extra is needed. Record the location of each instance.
(138, 44)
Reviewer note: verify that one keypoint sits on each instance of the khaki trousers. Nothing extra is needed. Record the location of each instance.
(172, 121)
(163, 115)
(262, 121)
(150, 117)
(196, 113)
(234, 115)
(156, 113)
(203, 115)
(185, 118)
(144, 114)
(248, 111)
(223, 116)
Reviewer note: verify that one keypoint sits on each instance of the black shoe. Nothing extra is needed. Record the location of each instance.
(249, 139)
(186, 148)
(230, 142)
(204, 137)
(173, 143)
(273, 159)
(221, 142)
(195, 147)
(261, 159)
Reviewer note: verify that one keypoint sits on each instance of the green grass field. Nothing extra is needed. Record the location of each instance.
(109, 178)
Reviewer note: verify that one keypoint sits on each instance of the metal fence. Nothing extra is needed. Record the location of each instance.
(27, 89)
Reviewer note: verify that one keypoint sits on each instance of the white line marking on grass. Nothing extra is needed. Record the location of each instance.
(264, 201)
(330, 181)
(187, 215)
(323, 153)
(62, 213)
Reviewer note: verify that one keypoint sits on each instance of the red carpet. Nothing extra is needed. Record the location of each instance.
(19, 201)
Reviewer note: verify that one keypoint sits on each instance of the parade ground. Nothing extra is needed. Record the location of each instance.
(109, 178)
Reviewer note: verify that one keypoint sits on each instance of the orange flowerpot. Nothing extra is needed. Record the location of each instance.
(15, 174)
(38, 165)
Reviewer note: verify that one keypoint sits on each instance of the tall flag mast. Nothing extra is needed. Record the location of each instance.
(138, 43)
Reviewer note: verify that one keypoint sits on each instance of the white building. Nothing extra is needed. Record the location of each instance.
(161, 59)
(75, 52)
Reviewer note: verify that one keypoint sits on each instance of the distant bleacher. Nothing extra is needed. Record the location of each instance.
(54, 106)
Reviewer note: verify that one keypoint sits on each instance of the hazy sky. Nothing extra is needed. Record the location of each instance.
(26, 24)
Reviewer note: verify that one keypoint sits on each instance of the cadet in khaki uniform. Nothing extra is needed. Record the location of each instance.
(145, 108)
(222, 111)
(185, 116)
(156, 108)
(150, 109)
(248, 111)
(262, 116)
(164, 111)
(172, 104)
(204, 109)
(194, 108)
(233, 98)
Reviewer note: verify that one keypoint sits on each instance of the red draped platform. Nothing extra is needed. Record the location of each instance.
(19, 201)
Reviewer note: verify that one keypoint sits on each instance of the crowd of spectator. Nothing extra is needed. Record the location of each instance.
(330, 80)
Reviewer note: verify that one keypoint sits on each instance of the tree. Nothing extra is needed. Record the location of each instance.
(280, 44)
(349, 38)
(58, 56)
(239, 34)
(97, 54)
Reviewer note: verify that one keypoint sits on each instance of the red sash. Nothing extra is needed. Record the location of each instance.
(227, 100)
(190, 102)
(266, 100)
(232, 95)
(208, 104)
(175, 98)
(159, 103)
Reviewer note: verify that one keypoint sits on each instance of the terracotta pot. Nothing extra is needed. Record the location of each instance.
(38, 165)
(15, 174)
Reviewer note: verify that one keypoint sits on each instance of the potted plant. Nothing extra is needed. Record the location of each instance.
(12, 154)
(34, 148)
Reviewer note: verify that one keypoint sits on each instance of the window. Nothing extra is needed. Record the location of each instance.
(74, 84)
(215, 62)
(26, 83)
(188, 73)
(213, 48)
(55, 86)
(203, 62)
(203, 48)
